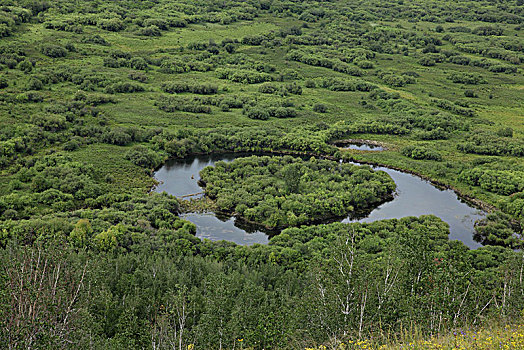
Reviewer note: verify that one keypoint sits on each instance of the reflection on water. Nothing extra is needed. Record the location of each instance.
(362, 147)
(179, 177)
(414, 197)
(211, 227)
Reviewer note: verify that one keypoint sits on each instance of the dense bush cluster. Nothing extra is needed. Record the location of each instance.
(264, 112)
(334, 84)
(184, 65)
(285, 191)
(321, 61)
(514, 205)
(466, 78)
(119, 59)
(171, 104)
(54, 181)
(498, 53)
(488, 144)
(178, 87)
(454, 108)
(254, 139)
(420, 152)
(503, 182)
(499, 229)
(283, 90)
(118, 223)
(144, 157)
(396, 80)
(243, 76)
(343, 130)
(12, 16)
(54, 51)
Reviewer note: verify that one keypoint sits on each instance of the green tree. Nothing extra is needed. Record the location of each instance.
(291, 174)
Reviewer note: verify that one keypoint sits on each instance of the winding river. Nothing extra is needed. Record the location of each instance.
(414, 197)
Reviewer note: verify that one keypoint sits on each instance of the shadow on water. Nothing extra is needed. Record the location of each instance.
(414, 197)
(217, 227)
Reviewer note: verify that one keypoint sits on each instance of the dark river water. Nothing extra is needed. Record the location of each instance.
(414, 197)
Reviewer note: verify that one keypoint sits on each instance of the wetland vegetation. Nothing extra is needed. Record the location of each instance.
(278, 192)
(95, 96)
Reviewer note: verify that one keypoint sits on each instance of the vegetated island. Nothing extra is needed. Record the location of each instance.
(278, 192)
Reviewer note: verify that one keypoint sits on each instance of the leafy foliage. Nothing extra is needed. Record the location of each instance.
(420, 152)
(287, 191)
(96, 94)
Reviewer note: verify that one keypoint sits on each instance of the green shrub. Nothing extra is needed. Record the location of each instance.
(320, 108)
(95, 39)
(144, 157)
(427, 61)
(71, 145)
(504, 182)
(50, 122)
(283, 112)
(488, 30)
(461, 60)
(116, 137)
(364, 64)
(138, 63)
(138, 76)
(258, 113)
(470, 93)
(34, 84)
(467, 78)
(53, 51)
(268, 88)
(243, 76)
(286, 191)
(149, 31)
(501, 68)
(112, 24)
(179, 87)
(505, 132)
(420, 152)
(124, 87)
(25, 66)
(311, 84)
(30, 96)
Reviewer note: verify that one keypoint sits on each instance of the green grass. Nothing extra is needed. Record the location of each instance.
(499, 101)
(109, 160)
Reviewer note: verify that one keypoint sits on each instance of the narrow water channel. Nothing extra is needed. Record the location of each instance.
(414, 197)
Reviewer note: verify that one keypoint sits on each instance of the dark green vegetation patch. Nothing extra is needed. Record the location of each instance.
(287, 191)
(95, 94)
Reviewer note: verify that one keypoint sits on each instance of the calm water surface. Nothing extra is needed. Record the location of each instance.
(179, 177)
(214, 228)
(362, 147)
(414, 197)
